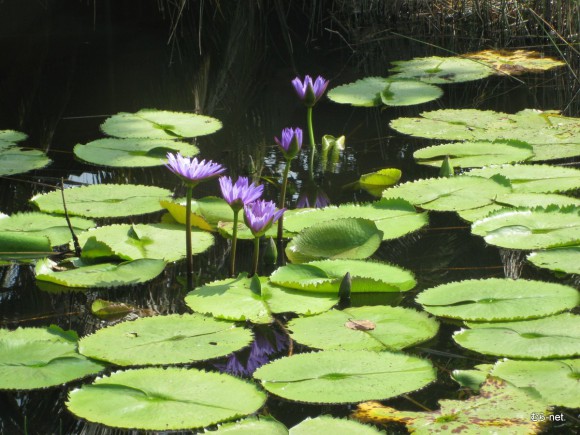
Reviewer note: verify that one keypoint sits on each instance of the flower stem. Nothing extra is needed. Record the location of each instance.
(188, 254)
(234, 244)
(311, 135)
(283, 201)
(256, 256)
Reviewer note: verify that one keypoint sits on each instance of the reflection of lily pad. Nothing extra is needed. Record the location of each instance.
(515, 62)
(441, 70)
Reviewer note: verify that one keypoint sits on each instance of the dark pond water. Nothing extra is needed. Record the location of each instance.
(64, 69)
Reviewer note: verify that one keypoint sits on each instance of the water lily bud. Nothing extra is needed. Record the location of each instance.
(271, 252)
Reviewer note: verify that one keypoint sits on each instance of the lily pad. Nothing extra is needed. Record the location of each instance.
(326, 276)
(16, 247)
(516, 62)
(337, 376)
(159, 124)
(538, 228)
(12, 136)
(172, 339)
(364, 328)
(132, 152)
(336, 426)
(441, 70)
(164, 399)
(566, 260)
(32, 358)
(472, 379)
(475, 154)
(449, 194)
(497, 299)
(253, 426)
(15, 160)
(549, 337)
(375, 91)
(349, 238)
(104, 200)
(376, 182)
(102, 274)
(206, 213)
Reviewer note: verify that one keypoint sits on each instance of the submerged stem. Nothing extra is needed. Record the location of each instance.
(234, 244)
(256, 256)
(188, 254)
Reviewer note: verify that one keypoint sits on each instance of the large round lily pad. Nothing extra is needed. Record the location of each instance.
(337, 376)
(172, 339)
(441, 70)
(164, 399)
(497, 299)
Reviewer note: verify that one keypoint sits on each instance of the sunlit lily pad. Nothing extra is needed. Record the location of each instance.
(11, 136)
(449, 194)
(132, 152)
(555, 381)
(172, 339)
(33, 358)
(206, 212)
(500, 408)
(549, 337)
(472, 378)
(364, 328)
(337, 376)
(326, 276)
(566, 260)
(376, 182)
(104, 200)
(261, 425)
(538, 228)
(102, 274)
(353, 238)
(516, 62)
(15, 160)
(337, 426)
(375, 91)
(441, 70)
(497, 299)
(16, 247)
(475, 154)
(164, 399)
(159, 124)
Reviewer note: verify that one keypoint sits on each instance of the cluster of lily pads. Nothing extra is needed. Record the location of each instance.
(364, 354)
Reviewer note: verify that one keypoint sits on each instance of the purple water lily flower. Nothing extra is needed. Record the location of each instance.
(241, 193)
(192, 171)
(310, 92)
(290, 142)
(260, 215)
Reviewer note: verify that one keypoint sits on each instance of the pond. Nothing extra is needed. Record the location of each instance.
(66, 70)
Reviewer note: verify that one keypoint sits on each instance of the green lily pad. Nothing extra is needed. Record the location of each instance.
(17, 247)
(172, 339)
(15, 160)
(475, 154)
(472, 379)
(376, 182)
(159, 124)
(337, 376)
(555, 381)
(495, 299)
(206, 213)
(326, 276)
(566, 260)
(394, 217)
(374, 91)
(164, 399)
(549, 337)
(243, 298)
(32, 358)
(132, 152)
(132, 242)
(12, 136)
(104, 200)
(538, 228)
(353, 238)
(449, 194)
(260, 425)
(102, 274)
(336, 426)
(364, 328)
(441, 70)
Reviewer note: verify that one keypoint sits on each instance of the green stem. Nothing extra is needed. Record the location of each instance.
(188, 254)
(234, 244)
(311, 135)
(256, 256)
(283, 200)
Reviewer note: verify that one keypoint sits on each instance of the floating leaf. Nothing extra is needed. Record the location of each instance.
(104, 200)
(164, 399)
(328, 424)
(516, 62)
(394, 217)
(326, 276)
(354, 238)
(556, 381)
(530, 229)
(499, 409)
(441, 70)
(16, 160)
(33, 358)
(111, 311)
(497, 299)
(376, 182)
(159, 124)
(472, 379)
(172, 339)
(12, 136)
(475, 154)
(206, 212)
(24, 246)
(337, 376)
(261, 425)
(132, 152)
(374, 91)
(566, 260)
(449, 194)
(364, 328)
(102, 274)
(549, 337)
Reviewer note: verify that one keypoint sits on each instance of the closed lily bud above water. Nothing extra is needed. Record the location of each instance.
(241, 192)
